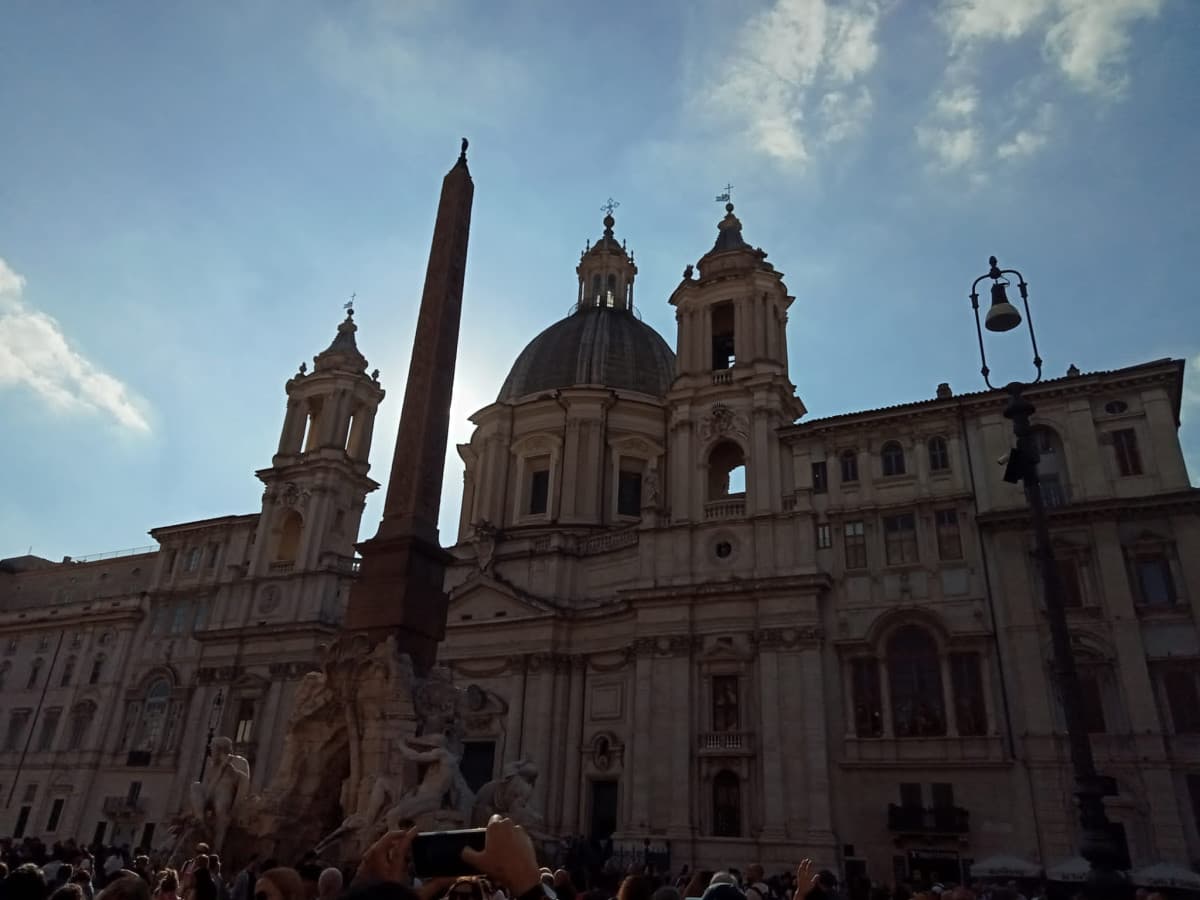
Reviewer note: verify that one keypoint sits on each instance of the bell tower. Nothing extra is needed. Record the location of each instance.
(731, 392)
(317, 484)
(606, 271)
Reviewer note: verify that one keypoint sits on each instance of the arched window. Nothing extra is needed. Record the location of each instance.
(849, 464)
(289, 537)
(939, 456)
(154, 716)
(312, 426)
(81, 722)
(915, 677)
(35, 669)
(597, 281)
(727, 805)
(610, 297)
(726, 471)
(892, 456)
(97, 669)
(68, 672)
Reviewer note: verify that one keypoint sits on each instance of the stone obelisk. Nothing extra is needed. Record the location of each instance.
(399, 590)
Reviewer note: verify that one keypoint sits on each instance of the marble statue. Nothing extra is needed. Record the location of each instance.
(509, 797)
(215, 799)
(440, 779)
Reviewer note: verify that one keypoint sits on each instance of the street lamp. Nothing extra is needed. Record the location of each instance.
(214, 717)
(1098, 844)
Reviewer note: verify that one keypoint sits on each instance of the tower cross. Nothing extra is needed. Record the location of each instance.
(727, 196)
(609, 206)
(350, 303)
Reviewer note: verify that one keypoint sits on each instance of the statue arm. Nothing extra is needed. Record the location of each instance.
(427, 756)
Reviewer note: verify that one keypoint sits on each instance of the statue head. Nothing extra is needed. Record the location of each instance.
(222, 747)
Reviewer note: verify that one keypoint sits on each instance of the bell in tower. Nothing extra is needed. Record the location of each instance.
(317, 484)
(606, 271)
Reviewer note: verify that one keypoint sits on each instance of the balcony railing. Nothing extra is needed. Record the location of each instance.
(282, 568)
(725, 509)
(124, 808)
(726, 742)
(1054, 493)
(919, 820)
(723, 376)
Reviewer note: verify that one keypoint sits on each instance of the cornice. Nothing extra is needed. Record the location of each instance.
(1089, 510)
(781, 584)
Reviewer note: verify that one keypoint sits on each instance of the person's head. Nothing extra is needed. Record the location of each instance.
(126, 886)
(329, 883)
(68, 892)
(26, 882)
(279, 883)
(635, 887)
(222, 747)
(82, 877)
(168, 881)
(754, 873)
(467, 888)
(723, 890)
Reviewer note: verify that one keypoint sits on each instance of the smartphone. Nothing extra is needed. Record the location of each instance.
(436, 854)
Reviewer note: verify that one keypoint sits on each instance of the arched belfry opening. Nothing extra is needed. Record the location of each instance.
(290, 531)
(726, 471)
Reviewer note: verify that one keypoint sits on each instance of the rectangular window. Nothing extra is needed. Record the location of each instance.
(191, 562)
(868, 701)
(1129, 460)
(629, 494)
(213, 549)
(539, 491)
(900, 539)
(56, 811)
(849, 465)
(910, 795)
(948, 537)
(179, 617)
(1155, 586)
(824, 536)
(244, 730)
(856, 545)
(22, 822)
(1183, 700)
(820, 477)
(725, 702)
(941, 795)
(966, 678)
(17, 720)
(49, 727)
(1093, 703)
(1068, 578)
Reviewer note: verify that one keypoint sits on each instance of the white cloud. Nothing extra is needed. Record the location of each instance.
(35, 354)
(794, 76)
(952, 148)
(1082, 44)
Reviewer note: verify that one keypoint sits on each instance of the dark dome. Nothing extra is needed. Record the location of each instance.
(593, 345)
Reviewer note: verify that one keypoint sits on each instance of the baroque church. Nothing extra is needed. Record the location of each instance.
(722, 632)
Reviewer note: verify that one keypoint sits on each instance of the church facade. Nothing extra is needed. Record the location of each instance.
(721, 630)
(742, 637)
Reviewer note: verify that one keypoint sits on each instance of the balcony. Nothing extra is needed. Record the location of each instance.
(919, 820)
(124, 809)
(726, 743)
(723, 376)
(282, 567)
(734, 508)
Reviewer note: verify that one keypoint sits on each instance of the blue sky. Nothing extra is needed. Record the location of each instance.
(189, 193)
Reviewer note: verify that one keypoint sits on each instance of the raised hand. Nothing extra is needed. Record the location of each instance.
(507, 856)
(806, 879)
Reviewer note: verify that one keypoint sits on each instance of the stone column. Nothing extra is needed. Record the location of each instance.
(571, 459)
(815, 741)
(641, 740)
(574, 746)
(774, 788)
(514, 728)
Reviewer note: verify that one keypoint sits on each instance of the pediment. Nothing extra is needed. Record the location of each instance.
(483, 598)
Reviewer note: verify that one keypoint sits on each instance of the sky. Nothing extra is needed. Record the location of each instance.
(190, 192)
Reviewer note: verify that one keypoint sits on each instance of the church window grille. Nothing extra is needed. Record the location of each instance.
(892, 457)
(915, 680)
(725, 703)
(855, 539)
(939, 455)
(900, 539)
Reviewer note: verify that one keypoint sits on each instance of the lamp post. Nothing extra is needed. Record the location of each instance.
(1098, 842)
(214, 716)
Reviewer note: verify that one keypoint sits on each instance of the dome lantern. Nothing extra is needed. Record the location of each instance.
(606, 271)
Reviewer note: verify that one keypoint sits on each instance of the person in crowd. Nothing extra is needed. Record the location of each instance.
(636, 887)
(279, 883)
(67, 891)
(168, 885)
(25, 882)
(756, 889)
(83, 877)
(666, 892)
(697, 883)
(329, 884)
(125, 885)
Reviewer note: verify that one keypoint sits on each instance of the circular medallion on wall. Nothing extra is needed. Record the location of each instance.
(723, 546)
(268, 600)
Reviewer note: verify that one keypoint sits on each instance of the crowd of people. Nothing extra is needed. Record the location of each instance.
(506, 869)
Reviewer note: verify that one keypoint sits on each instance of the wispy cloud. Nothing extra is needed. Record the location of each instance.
(36, 355)
(1081, 45)
(794, 77)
